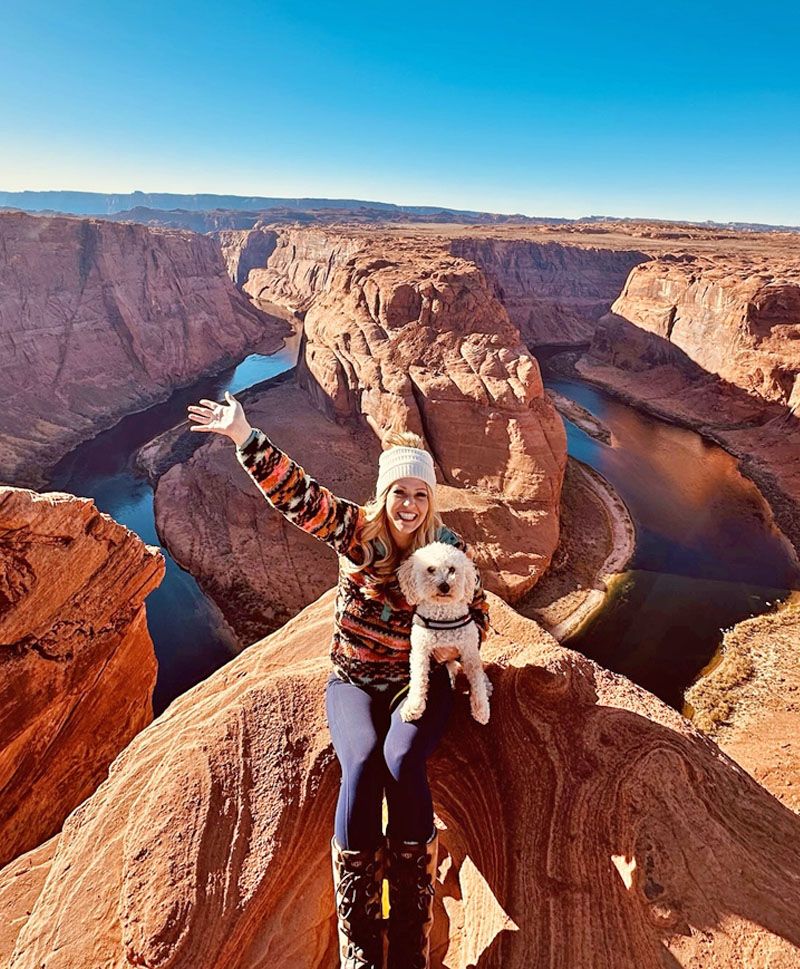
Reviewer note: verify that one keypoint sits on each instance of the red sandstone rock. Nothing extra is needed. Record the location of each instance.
(395, 336)
(98, 319)
(401, 334)
(246, 249)
(729, 317)
(587, 825)
(77, 667)
(554, 293)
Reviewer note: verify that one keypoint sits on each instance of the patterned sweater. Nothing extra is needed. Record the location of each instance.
(372, 621)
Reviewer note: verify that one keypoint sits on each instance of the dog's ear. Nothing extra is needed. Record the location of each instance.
(407, 579)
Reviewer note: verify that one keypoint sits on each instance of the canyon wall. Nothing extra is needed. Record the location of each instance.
(77, 667)
(553, 292)
(730, 318)
(715, 344)
(401, 334)
(300, 266)
(99, 319)
(246, 249)
(589, 824)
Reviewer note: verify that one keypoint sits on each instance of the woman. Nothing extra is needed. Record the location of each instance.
(377, 751)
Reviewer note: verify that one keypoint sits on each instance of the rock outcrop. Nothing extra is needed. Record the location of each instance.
(714, 344)
(750, 700)
(586, 825)
(414, 339)
(554, 293)
(246, 249)
(727, 317)
(99, 319)
(77, 667)
(300, 266)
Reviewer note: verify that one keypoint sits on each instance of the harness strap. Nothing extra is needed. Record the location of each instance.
(441, 623)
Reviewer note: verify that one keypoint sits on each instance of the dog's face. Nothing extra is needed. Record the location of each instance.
(438, 572)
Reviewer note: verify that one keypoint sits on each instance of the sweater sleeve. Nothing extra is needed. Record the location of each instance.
(478, 607)
(299, 497)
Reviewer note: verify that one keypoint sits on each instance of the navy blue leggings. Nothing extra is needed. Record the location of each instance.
(377, 751)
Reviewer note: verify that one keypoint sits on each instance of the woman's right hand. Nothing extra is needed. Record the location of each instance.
(227, 418)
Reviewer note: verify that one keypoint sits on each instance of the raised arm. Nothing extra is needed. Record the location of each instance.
(296, 495)
(300, 498)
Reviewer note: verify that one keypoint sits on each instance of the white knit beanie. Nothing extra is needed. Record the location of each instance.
(404, 462)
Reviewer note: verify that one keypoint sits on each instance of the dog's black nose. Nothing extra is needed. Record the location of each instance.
(444, 587)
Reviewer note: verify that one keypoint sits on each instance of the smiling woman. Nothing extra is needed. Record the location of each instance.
(378, 752)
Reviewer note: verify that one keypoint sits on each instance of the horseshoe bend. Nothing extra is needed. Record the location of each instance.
(588, 824)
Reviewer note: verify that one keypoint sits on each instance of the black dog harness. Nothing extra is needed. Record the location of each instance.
(441, 623)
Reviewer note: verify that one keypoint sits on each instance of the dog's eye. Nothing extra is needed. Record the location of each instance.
(431, 568)
(452, 568)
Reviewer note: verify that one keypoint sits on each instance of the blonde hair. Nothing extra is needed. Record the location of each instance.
(376, 525)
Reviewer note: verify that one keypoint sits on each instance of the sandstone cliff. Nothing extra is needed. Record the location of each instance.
(99, 319)
(77, 667)
(415, 338)
(554, 293)
(729, 317)
(246, 249)
(586, 825)
(713, 343)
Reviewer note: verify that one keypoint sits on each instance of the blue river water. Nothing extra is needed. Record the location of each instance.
(190, 637)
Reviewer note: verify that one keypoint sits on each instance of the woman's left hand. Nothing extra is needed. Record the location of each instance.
(443, 654)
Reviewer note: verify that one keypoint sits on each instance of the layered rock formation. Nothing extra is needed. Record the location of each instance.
(246, 249)
(414, 339)
(77, 667)
(99, 319)
(300, 266)
(713, 343)
(586, 825)
(727, 317)
(554, 293)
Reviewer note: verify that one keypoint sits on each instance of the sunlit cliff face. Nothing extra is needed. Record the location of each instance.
(406, 507)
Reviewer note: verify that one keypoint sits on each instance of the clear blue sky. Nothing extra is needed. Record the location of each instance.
(673, 110)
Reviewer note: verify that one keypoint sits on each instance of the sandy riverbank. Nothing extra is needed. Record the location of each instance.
(597, 542)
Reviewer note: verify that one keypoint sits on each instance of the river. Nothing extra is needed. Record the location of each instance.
(707, 552)
(190, 636)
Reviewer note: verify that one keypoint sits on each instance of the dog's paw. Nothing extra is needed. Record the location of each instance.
(409, 712)
(480, 711)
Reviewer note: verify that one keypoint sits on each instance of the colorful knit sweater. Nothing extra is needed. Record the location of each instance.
(372, 621)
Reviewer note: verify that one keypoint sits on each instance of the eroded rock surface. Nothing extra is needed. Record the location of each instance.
(715, 344)
(414, 338)
(554, 293)
(99, 319)
(77, 667)
(586, 825)
(401, 334)
(731, 318)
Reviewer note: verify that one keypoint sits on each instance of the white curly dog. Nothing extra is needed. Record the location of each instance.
(440, 581)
